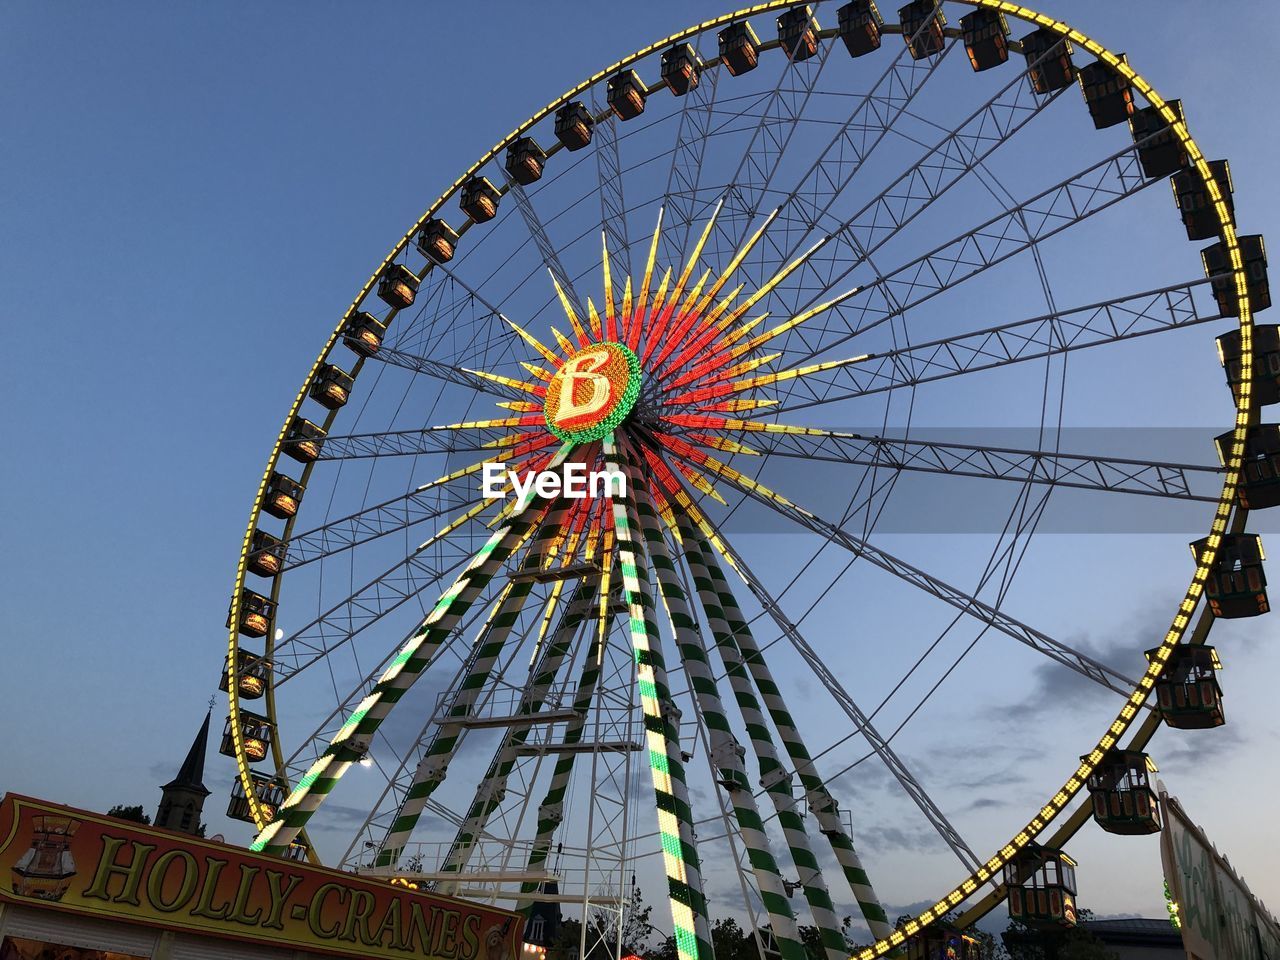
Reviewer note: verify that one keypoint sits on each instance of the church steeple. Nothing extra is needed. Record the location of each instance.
(182, 798)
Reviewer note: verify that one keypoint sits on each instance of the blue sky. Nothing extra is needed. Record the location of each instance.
(194, 192)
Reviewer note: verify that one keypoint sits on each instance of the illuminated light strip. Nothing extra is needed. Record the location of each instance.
(686, 315)
(660, 330)
(701, 338)
(564, 343)
(593, 316)
(713, 324)
(733, 777)
(406, 667)
(547, 353)
(574, 322)
(635, 316)
(723, 443)
(542, 373)
(520, 406)
(735, 643)
(536, 389)
(675, 820)
(701, 483)
(801, 318)
(611, 328)
(740, 386)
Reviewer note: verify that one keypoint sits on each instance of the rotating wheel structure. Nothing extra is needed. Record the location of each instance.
(723, 282)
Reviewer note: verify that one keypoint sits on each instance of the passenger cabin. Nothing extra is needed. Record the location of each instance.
(1217, 264)
(860, 26)
(1159, 150)
(798, 32)
(681, 68)
(1041, 883)
(269, 792)
(1107, 94)
(255, 733)
(479, 199)
(922, 22)
(525, 161)
(1259, 486)
(397, 286)
(1266, 363)
(625, 94)
(256, 614)
(266, 554)
(302, 442)
(1190, 193)
(437, 241)
(282, 497)
(364, 333)
(1049, 65)
(573, 125)
(332, 386)
(1121, 794)
(986, 38)
(1188, 696)
(739, 48)
(253, 673)
(1237, 584)
(942, 941)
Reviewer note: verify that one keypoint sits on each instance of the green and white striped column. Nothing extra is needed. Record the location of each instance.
(691, 928)
(352, 740)
(819, 798)
(434, 765)
(726, 753)
(489, 793)
(773, 775)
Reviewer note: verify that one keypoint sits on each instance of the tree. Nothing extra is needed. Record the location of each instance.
(1072, 943)
(134, 814)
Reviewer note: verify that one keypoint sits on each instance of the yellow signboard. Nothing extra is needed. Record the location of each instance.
(65, 859)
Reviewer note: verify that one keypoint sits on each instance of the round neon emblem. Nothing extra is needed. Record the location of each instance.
(593, 392)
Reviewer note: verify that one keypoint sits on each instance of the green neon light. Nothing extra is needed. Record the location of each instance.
(621, 408)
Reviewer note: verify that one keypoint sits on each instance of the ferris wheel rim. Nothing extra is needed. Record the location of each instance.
(1228, 516)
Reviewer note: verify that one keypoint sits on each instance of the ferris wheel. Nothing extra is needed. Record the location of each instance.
(570, 563)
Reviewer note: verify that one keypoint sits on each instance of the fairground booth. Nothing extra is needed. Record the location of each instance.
(76, 885)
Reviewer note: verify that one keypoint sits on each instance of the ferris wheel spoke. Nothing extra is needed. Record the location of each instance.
(345, 620)
(1056, 650)
(452, 726)
(1079, 471)
(862, 722)
(1097, 324)
(428, 502)
(446, 372)
(967, 255)
(493, 787)
(546, 249)
(780, 117)
(694, 130)
(943, 165)
(352, 740)
(474, 436)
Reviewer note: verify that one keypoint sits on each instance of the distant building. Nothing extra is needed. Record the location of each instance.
(1139, 939)
(182, 798)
